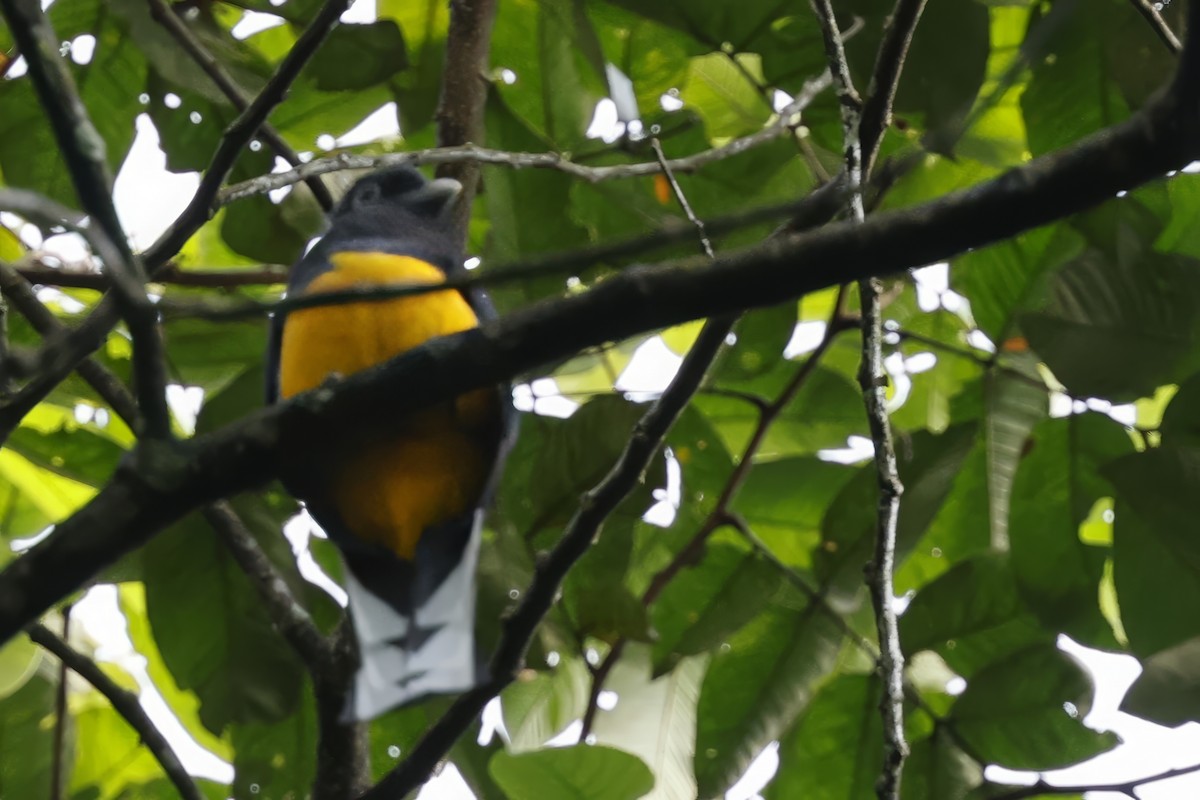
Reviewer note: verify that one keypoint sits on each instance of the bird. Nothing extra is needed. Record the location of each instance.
(405, 509)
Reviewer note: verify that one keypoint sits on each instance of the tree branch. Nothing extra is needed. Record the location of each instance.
(165, 16)
(1158, 24)
(43, 273)
(861, 136)
(163, 480)
(124, 703)
(474, 154)
(460, 110)
(331, 661)
(83, 149)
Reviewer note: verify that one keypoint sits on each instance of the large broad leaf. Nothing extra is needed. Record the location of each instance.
(1181, 420)
(835, 749)
(594, 593)
(1014, 402)
(1122, 319)
(108, 85)
(971, 616)
(936, 769)
(655, 719)
(276, 759)
(556, 83)
(582, 772)
(1168, 690)
(1154, 545)
(755, 688)
(1008, 277)
(358, 56)
(19, 659)
(1057, 486)
(706, 604)
(785, 500)
(539, 708)
(109, 755)
(1024, 711)
(26, 740)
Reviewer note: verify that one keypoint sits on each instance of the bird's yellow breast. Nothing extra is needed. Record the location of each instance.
(389, 493)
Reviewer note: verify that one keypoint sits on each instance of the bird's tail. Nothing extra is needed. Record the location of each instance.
(410, 650)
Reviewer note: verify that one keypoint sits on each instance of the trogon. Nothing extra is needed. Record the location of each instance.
(406, 508)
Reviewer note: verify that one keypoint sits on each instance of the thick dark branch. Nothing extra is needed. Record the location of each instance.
(83, 150)
(1158, 24)
(164, 480)
(124, 703)
(460, 110)
(165, 15)
(241, 130)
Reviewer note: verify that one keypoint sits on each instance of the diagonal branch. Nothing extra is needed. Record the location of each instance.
(1129, 788)
(1148, 10)
(124, 703)
(165, 15)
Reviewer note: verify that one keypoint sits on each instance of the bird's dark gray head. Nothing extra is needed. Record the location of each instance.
(398, 210)
(399, 188)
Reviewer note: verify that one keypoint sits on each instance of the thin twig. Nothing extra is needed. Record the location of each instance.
(1159, 25)
(6, 377)
(472, 153)
(49, 272)
(58, 763)
(83, 149)
(1128, 788)
(165, 15)
(885, 79)
(124, 703)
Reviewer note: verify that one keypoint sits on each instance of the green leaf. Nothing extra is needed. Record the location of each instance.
(538, 709)
(1024, 711)
(711, 601)
(209, 622)
(1055, 490)
(784, 501)
(26, 740)
(416, 89)
(971, 615)
(655, 719)
(1181, 420)
(1153, 545)
(754, 689)
(355, 56)
(936, 769)
(833, 751)
(725, 94)
(582, 772)
(19, 659)
(928, 467)
(1122, 319)
(1008, 277)
(277, 758)
(109, 755)
(1168, 690)
(1014, 403)
(594, 593)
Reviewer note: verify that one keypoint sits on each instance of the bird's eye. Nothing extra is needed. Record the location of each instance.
(369, 193)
